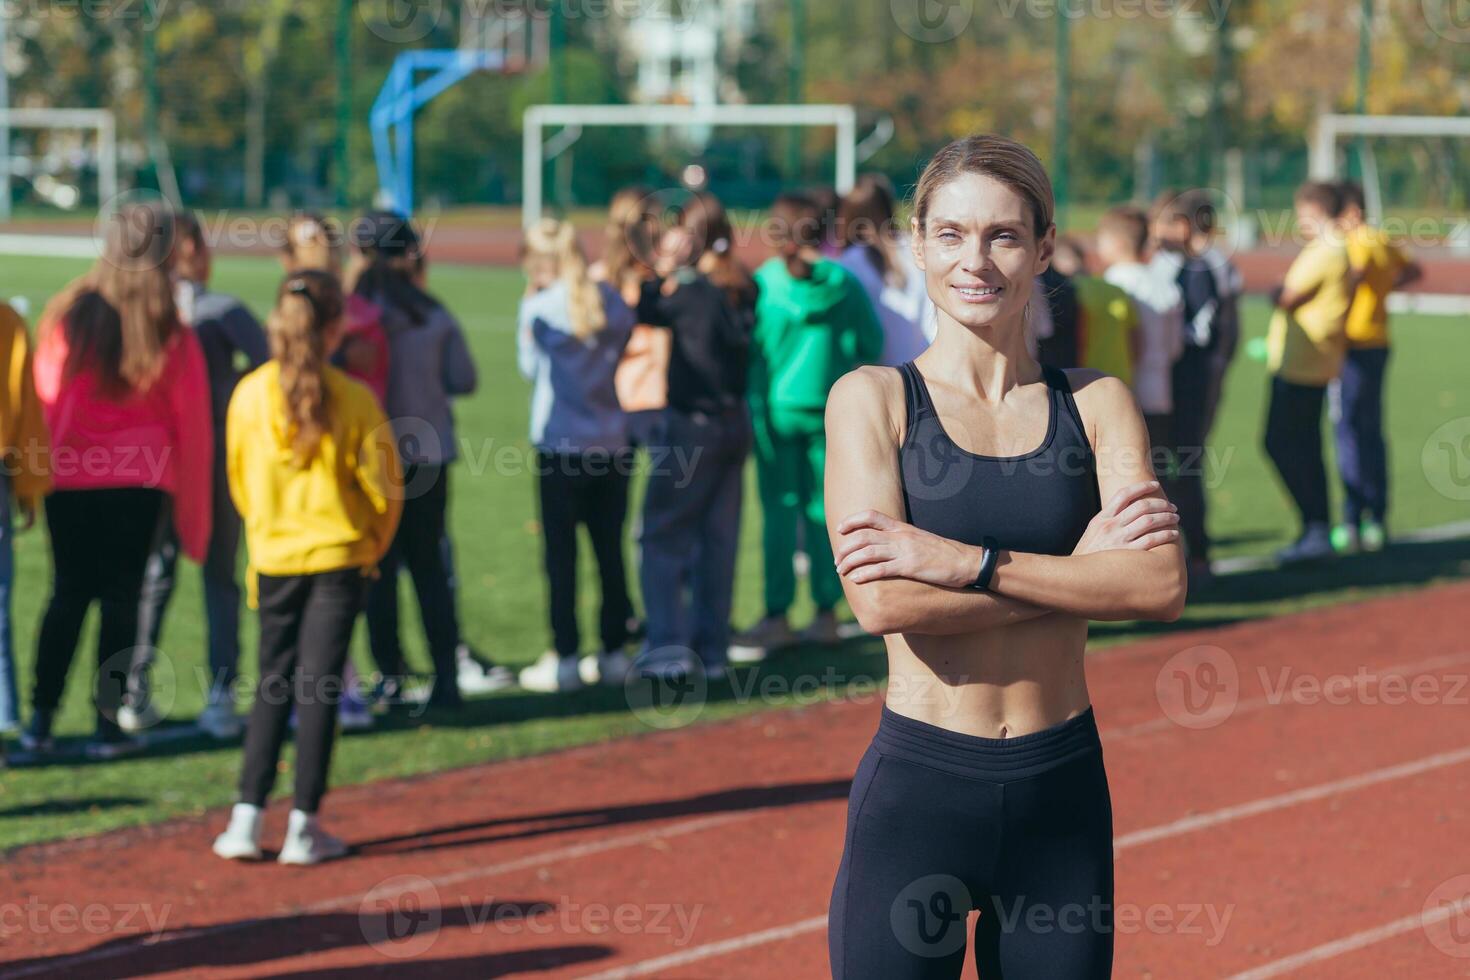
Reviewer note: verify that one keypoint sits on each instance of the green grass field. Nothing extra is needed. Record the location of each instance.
(502, 596)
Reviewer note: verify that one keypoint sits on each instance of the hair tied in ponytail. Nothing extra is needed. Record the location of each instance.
(721, 246)
(299, 344)
(298, 286)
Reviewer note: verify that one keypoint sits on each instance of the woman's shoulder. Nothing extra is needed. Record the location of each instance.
(868, 396)
(1100, 398)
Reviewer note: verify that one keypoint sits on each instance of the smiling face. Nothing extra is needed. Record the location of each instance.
(980, 253)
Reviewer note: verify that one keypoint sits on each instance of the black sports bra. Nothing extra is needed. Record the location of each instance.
(1039, 502)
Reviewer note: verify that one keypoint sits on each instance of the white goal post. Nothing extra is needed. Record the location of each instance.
(573, 118)
(100, 121)
(1333, 127)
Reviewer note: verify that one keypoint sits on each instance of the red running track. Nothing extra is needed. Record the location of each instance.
(1306, 814)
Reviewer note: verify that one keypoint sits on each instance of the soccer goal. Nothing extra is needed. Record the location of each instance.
(1332, 129)
(574, 118)
(1325, 164)
(100, 122)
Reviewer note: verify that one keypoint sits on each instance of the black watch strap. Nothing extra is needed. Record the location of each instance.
(989, 555)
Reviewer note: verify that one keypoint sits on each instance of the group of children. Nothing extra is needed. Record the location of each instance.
(672, 344)
(1329, 339)
(329, 435)
(1165, 317)
(157, 416)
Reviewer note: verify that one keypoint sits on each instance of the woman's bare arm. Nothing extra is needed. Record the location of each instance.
(863, 437)
(1127, 565)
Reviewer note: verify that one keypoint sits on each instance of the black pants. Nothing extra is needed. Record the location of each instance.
(1362, 453)
(305, 629)
(1193, 377)
(590, 489)
(940, 823)
(417, 545)
(1294, 444)
(99, 549)
(221, 590)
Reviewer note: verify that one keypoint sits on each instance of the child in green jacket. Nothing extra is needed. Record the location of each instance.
(814, 323)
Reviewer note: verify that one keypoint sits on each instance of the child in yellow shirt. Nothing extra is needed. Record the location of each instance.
(314, 473)
(1304, 353)
(1378, 268)
(25, 478)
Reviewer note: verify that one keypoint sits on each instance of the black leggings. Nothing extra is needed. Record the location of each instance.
(590, 489)
(99, 549)
(417, 544)
(940, 823)
(305, 629)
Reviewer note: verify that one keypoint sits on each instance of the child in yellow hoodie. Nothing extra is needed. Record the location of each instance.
(25, 476)
(314, 472)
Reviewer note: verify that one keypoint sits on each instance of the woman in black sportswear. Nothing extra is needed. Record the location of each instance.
(982, 509)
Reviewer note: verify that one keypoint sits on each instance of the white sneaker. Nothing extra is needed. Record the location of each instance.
(307, 843)
(218, 720)
(752, 646)
(241, 839)
(473, 677)
(612, 668)
(551, 673)
(137, 720)
(823, 630)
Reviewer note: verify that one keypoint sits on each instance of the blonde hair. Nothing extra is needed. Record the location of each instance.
(557, 240)
(119, 317)
(308, 304)
(998, 157)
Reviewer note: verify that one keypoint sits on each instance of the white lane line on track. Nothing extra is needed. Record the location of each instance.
(1306, 794)
(1356, 941)
(1256, 704)
(693, 826)
(1177, 828)
(569, 853)
(708, 950)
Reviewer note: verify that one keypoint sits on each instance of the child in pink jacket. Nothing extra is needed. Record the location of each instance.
(125, 393)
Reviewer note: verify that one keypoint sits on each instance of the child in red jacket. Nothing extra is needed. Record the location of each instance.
(122, 384)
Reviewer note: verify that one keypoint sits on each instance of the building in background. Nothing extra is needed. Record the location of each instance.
(680, 52)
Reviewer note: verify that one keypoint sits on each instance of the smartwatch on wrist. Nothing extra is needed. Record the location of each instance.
(989, 555)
